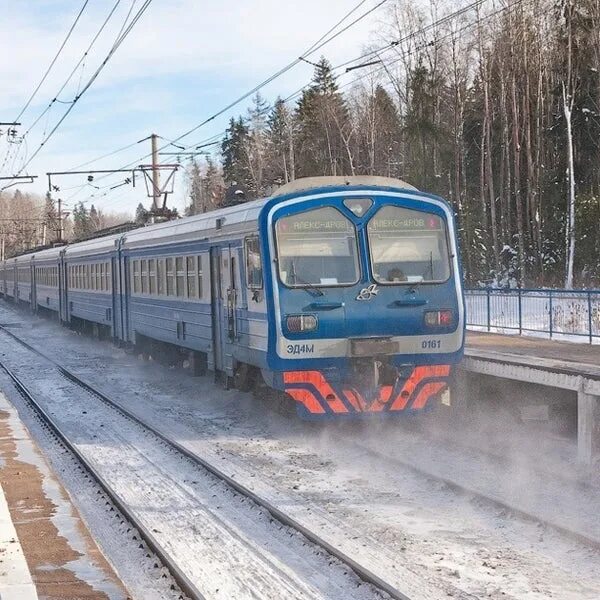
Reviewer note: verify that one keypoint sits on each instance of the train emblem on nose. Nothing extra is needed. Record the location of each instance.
(368, 292)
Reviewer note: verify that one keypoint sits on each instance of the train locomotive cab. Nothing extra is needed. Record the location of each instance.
(366, 296)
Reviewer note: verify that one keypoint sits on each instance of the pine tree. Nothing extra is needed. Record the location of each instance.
(280, 131)
(233, 149)
(51, 219)
(256, 145)
(323, 122)
(95, 219)
(195, 184)
(141, 215)
(81, 221)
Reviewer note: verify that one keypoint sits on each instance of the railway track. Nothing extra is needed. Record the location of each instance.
(472, 491)
(179, 577)
(363, 573)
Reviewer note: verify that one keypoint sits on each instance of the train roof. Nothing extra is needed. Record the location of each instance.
(47, 253)
(308, 183)
(93, 246)
(228, 219)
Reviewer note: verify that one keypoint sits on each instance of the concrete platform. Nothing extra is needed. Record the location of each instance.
(563, 365)
(532, 347)
(46, 550)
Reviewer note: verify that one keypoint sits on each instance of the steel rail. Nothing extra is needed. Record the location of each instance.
(362, 572)
(470, 491)
(187, 587)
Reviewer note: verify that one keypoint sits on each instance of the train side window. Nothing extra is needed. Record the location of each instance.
(102, 277)
(180, 276)
(99, 276)
(93, 280)
(137, 283)
(160, 275)
(152, 276)
(192, 276)
(254, 274)
(200, 286)
(144, 271)
(132, 275)
(170, 277)
(108, 277)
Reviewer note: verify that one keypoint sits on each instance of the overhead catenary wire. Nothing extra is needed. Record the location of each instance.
(419, 32)
(91, 80)
(320, 43)
(53, 61)
(75, 68)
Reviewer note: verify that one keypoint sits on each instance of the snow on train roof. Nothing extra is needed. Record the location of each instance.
(189, 227)
(93, 246)
(307, 183)
(48, 253)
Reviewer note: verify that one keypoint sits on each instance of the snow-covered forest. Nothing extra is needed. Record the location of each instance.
(496, 109)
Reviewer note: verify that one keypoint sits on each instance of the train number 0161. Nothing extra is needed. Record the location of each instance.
(431, 344)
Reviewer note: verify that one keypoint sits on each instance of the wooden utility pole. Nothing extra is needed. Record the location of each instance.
(155, 174)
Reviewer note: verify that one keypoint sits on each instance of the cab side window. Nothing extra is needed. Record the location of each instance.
(254, 273)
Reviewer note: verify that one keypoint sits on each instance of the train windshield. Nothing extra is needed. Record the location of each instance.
(408, 246)
(317, 248)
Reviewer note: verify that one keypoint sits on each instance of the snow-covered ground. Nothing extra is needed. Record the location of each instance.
(570, 316)
(415, 532)
(225, 545)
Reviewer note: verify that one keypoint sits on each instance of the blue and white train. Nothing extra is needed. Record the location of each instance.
(343, 292)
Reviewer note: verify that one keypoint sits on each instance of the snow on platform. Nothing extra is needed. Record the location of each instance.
(582, 358)
(15, 579)
(45, 548)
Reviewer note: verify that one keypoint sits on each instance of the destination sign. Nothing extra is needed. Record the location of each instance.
(420, 223)
(308, 225)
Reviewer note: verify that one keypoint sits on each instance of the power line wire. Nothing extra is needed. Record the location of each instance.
(79, 63)
(53, 60)
(113, 49)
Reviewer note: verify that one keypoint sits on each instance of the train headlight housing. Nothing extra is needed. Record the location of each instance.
(358, 206)
(439, 318)
(301, 323)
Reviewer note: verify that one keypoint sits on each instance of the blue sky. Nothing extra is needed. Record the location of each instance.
(185, 60)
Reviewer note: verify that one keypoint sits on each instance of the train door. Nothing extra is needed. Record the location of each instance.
(216, 299)
(33, 293)
(63, 288)
(115, 292)
(123, 282)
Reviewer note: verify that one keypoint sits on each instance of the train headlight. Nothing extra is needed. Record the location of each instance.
(439, 318)
(301, 323)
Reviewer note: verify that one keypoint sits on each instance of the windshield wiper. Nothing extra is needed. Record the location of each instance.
(306, 284)
(414, 288)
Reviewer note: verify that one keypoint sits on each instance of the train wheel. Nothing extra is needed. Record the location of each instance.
(243, 378)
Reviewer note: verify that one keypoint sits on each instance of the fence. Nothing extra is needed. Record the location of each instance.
(556, 313)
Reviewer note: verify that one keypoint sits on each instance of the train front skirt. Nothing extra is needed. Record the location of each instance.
(319, 397)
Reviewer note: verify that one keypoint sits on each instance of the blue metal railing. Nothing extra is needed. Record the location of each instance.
(557, 313)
